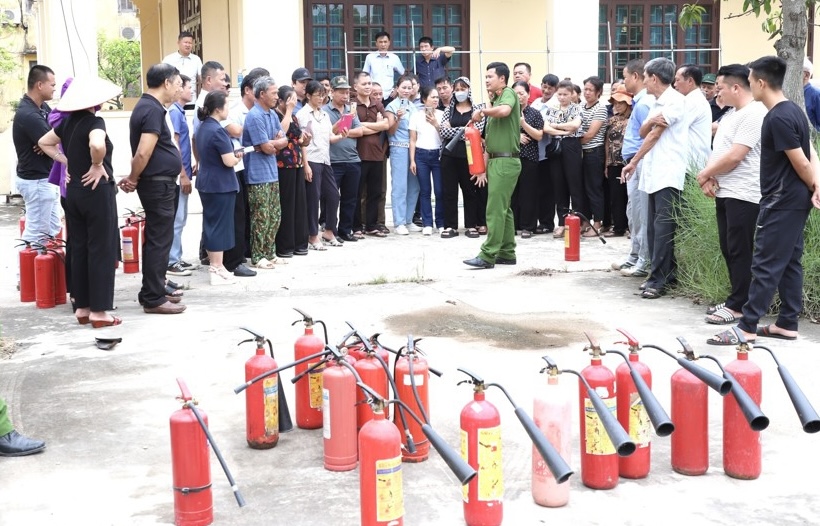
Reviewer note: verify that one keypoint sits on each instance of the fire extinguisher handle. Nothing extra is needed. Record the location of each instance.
(630, 340)
(183, 387)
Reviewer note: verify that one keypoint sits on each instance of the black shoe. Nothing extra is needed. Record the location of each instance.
(243, 271)
(477, 262)
(300, 252)
(205, 262)
(285, 255)
(417, 220)
(16, 445)
(347, 237)
(505, 261)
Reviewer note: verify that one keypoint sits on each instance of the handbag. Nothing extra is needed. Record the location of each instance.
(553, 149)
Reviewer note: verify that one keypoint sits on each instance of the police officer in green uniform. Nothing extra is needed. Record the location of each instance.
(502, 140)
(12, 443)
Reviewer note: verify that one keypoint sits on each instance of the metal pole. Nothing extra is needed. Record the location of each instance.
(347, 72)
(547, 39)
(413, 42)
(480, 62)
(611, 62)
(671, 44)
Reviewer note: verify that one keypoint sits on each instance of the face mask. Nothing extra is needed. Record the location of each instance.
(461, 96)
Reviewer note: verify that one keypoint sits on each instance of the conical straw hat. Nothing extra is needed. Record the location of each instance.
(87, 92)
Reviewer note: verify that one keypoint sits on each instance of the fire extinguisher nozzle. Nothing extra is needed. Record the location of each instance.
(809, 419)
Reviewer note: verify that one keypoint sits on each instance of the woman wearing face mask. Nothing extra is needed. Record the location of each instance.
(454, 169)
(564, 123)
(405, 186)
(525, 196)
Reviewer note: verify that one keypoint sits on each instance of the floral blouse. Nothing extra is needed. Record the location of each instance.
(291, 155)
(615, 140)
(532, 117)
(562, 116)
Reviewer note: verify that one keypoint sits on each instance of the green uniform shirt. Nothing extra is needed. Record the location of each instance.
(502, 134)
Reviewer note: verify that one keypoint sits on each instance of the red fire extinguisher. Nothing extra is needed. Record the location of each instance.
(191, 463)
(373, 371)
(130, 248)
(632, 412)
(572, 237)
(261, 398)
(475, 150)
(339, 412)
(308, 390)
(57, 247)
(22, 221)
(26, 260)
(412, 376)
(552, 412)
(44, 278)
(481, 448)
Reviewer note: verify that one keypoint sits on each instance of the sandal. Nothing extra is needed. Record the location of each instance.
(448, 233)
(482, 230)
(173, 285)
(721, 317)
(539, 230)
(316, 246)
(375, 233)
(332, 242)
(263, 264)
(727, 337)
(97, 324)
(472, 233)
(383, 229)
(558, 232)
(766, 332)
(714, 309)
(526, 234)
(172, 292)
(358, 234)
(651, 294)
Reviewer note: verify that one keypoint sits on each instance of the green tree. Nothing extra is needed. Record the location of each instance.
(785, 20)
(119, 61)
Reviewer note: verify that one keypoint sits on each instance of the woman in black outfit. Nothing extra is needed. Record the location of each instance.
(454, 169)
(90, 198)
(292, 236)
(525, 196)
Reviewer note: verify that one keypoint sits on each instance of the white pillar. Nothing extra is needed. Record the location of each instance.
(269, 43)
(67, 40)
(574, 45)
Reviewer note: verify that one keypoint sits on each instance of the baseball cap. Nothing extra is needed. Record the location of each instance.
(301, 74)
(709, 78)
(339, 83)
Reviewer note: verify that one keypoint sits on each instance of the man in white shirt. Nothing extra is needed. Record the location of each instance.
(732, 176)
(698, 113)
(186, 62)
(665, 151)
(383, 65)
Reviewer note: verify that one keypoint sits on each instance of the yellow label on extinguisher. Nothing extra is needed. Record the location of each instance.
(315, 388)
(490, 476)
(270, 387)
(566, 237)
(127, 249)
(469, 152)
(465, 451)
(639, 423)
(389, 497)
(597, 441)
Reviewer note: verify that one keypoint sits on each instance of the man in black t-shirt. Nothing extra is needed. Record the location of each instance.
(789, 186)
(154, 170)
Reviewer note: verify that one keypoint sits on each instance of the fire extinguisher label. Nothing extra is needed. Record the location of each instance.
(566, 238)
(389, 497)
(326, 414)
(469, 152)
(639, 423)
(315, 388)
(270, 386)
(597, 441)
(419, 378)
(490, 477)
(465, 454)
(127, 249)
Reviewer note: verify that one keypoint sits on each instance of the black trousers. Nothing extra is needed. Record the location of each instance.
(235, 256)
(736, 221)
(321, 191)
(546, 197)
(158, 201)
(593, 168)
(370, 190)
(67, 241)
(293, 230)
(567, 178)
(618, 198)
(776, 265)
(525, 197)
(94, 248)
(660, 233)
(347, 179)
(455, 173)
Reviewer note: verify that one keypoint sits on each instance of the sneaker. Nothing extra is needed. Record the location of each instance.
(220, 276)
(635, 272)
(622, 266)
(177, 270)
(427, 231)
(188, 266)
(402, 230)
(412, 227)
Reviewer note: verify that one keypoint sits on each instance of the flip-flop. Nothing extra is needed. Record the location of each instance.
(724, 316)
(727, 337)
(316, 246)
(106, 344)
(712, 309)
(375, 233)
(766, 332)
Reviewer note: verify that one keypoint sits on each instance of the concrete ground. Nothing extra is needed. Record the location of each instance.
(104, 415)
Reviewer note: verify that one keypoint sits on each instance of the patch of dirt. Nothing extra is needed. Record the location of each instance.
(505, 331)
(7, 348)
(538, 272)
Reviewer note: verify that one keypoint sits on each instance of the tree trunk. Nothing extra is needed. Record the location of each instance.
(791, 47)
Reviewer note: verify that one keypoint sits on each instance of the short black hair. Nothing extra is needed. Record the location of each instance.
(184, 34)
(442, 79)
(209, 67)
(529, 68)
(770, 69)
(313, 87)
(382, 34)
(567, 85)
(285, 91)
(259, 72)
(185, 79)
(691, 71)
(250, 78)
(635, 65)
(525, 85)
(38, 73)
(322, 78)
(425, 92)
(359, 74)
(596, 82)
(427, 40)
(737, 72)
(550, 80)
(501, 69)
(159, 73)
(214, 100)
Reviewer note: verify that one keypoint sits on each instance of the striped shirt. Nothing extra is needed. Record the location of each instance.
(596, 112)
(743, 127)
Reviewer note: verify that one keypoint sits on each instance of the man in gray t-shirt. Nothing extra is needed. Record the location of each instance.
(732, 177)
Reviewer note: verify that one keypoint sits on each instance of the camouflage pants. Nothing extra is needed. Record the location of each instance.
(265, 218)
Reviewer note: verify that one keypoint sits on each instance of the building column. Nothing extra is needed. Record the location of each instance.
(573, 45)
(67, 38)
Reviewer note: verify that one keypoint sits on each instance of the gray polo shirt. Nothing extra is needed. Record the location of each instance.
(345, 150)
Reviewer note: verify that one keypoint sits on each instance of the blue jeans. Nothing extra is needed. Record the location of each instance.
(179, 223)
(636, 212)
(42, 200)
(427, 165)
(399, 172)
